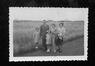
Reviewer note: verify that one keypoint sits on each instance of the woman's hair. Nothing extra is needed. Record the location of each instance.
(61, 24)
(53, 24)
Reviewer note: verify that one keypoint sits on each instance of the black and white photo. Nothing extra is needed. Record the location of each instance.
(48, 34)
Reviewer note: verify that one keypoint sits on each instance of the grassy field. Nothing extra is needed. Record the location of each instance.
(74, 47)
(24, 45)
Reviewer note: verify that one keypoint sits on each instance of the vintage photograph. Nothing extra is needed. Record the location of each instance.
(48, 34)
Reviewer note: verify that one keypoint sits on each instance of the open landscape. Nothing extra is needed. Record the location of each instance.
(23, 43)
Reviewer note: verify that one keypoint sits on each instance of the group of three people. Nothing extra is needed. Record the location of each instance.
(51, 36)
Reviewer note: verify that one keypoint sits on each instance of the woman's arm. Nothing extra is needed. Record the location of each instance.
(64, 31)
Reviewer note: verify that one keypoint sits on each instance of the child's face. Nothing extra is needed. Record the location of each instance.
(37, 29)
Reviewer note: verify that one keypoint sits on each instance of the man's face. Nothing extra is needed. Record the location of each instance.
(44, 23)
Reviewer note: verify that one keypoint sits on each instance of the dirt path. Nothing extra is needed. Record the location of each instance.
(75, 47)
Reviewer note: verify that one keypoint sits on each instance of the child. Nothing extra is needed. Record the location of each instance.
(48, 41)
(36, 37)
(61, 32)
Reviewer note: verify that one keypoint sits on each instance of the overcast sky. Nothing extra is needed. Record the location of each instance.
(48, 13)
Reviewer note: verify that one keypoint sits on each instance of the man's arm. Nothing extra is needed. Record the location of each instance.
(47, 28)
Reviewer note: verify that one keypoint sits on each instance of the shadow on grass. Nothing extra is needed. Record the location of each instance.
(22, 52)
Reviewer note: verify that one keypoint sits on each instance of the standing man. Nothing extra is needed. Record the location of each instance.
(43, 31)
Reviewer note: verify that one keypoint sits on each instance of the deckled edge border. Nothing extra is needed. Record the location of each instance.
(47, 58)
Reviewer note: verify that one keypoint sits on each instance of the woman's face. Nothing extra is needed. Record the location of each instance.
(53, 25)
(60, 25)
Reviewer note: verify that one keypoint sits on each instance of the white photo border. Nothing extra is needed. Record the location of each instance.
(47, 58)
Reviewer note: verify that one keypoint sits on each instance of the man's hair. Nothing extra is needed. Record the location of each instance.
(44, 21)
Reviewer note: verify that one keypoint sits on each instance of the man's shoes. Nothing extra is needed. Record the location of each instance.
(60, 51)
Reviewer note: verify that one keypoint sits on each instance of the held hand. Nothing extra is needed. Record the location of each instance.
(60, 37)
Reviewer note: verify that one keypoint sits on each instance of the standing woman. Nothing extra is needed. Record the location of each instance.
(60, 35)
(53, 35)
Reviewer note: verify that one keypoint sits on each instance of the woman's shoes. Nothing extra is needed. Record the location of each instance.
(36, 47)
(48, 50)
(59, 50)
(54, 51)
